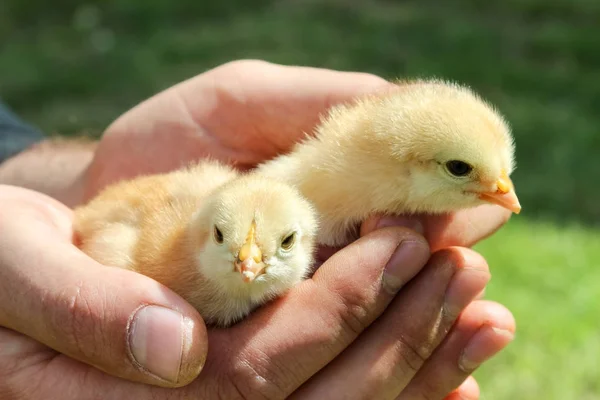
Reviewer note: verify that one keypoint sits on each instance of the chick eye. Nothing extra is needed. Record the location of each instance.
(458, 168)
(218, 235)
(288, 242)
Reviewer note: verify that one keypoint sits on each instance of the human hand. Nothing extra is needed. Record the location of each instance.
(51, 292)
(267, 113)
(341, 333)
(244, 113)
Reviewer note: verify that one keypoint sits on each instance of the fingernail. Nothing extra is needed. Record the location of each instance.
(464, 287)
(158, 339)
(483, 345)
(407, 222)
(410, 255)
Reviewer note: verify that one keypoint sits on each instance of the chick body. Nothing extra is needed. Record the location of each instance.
(162, 226)
(387, 153)
(126, 219)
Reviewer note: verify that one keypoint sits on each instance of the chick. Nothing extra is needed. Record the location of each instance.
(426, 146)
(226, 243)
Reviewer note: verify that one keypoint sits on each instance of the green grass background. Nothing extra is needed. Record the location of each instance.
(70, 66)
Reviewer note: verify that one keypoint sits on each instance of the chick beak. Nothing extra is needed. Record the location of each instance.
(504, 195)
(249, 262)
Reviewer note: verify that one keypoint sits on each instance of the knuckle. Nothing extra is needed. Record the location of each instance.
(434, 389)
(223, 387)
(412, 356)
(250, 385)
(354, 318)
(262, 379)
(356, 305)
(358, 296)
(76, 318)
(244, 64)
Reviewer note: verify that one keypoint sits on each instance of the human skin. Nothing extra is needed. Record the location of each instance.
(66, 313)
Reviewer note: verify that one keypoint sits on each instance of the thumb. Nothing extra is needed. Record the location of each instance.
(121, 322)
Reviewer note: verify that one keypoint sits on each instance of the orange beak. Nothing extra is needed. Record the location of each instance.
(505, 195)
(249, 262)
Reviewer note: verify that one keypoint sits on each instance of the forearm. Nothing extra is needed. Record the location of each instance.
(55, 167)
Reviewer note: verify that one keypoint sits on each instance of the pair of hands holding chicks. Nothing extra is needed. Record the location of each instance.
(80, 330)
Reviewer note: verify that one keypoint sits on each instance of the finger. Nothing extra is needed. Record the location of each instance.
(273, 106)
(277, 104)
(468, 390)
(119, 321)
(283, 344)
(388, 355)
(482, 330)
(463, 228)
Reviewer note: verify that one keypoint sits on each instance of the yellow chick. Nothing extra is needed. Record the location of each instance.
(426, 146)
(226, 243)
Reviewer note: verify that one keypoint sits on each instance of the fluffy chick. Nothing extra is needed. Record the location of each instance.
(226, 243)
(426, 146)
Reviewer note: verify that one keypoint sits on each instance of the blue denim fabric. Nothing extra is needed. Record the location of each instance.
(15, 135)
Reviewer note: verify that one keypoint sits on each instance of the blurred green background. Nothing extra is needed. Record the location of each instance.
(70, 67)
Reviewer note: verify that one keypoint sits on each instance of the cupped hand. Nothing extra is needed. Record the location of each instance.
(373, 322)
(312, 341)
(117, 320)
(244, 113)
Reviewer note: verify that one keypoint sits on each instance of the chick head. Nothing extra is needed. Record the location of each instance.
(458, 150)
(256, 236)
